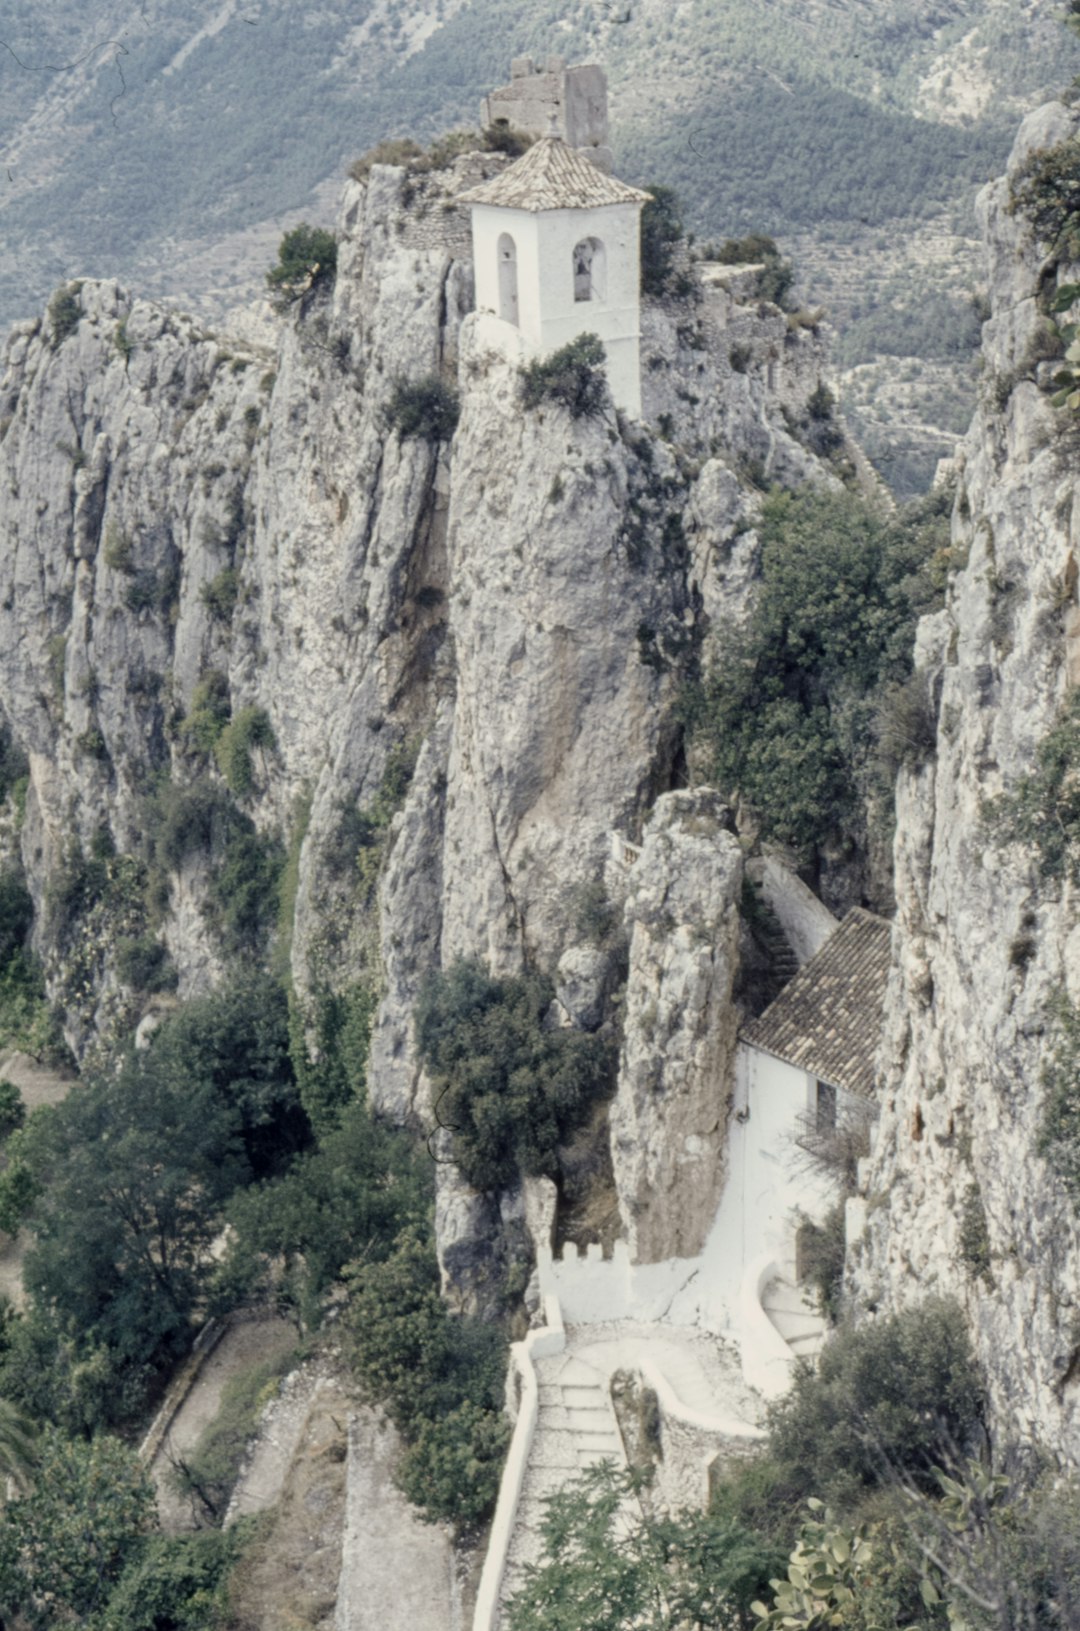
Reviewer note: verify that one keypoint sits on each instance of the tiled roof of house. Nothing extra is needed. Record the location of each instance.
(552, 176)
(828, 1019)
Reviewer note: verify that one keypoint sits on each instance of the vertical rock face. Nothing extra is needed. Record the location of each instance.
(960, 1202)
(669, 1118)
(560, 721)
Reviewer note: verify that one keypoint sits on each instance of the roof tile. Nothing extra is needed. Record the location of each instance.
(552, 176)
(828, 1019)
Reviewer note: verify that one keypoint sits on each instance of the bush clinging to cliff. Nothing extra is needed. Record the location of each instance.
(571, 376)
(789, 713)
(427, 408)
(1046, 189)
(508, 1089)
(307, 257)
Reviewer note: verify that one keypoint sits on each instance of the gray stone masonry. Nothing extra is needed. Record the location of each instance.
(576, 98)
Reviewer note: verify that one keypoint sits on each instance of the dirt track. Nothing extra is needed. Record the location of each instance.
(246, 1343)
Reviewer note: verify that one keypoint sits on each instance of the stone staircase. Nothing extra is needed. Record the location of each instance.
(767, 931)
(575, 1429)
(790, 1310)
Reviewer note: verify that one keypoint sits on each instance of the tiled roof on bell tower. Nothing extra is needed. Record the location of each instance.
(553, 176)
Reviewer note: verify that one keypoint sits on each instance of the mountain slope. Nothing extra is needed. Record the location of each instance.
(170, 145)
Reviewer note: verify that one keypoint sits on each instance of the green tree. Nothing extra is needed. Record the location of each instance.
(1046, 188)
(18, 1444)
(508, 1088)
(789, 711)
(132, 1171)
(572, 376)
(72, 1533)
(607, 1566)
(427, 408)
(661, 229)
(440, 1376)
(452, 1468)
(176, 1583)
(12, 1108)
(776, 276)
(353, 1196)
(897, 1397)
(237, 1042)
(331, 1068)
(16, 914)
(307, 259)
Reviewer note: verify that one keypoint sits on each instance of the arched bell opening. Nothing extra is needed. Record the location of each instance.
(508, 280)
(590, 270)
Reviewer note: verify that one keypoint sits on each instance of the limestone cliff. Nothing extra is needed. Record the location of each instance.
(669, 1120)
(957, 1200)
(239, 609)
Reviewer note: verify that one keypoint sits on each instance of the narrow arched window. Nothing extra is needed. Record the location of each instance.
(590, 270)
(508, 279)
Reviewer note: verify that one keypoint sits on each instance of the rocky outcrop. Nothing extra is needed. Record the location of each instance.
(455, 661)
(958, 1199)
(669, 1116)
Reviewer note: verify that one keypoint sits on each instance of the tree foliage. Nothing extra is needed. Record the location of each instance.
(69, 1537)
(439, 1375)
(353, 1196)
(132, 1171)
(777, 275)
(124, 1185)
(65, 312)
(508, 1088)
(307, 259)
(898, 1396)
(426, 408)
(605, 1566)
(175, 1583)
(572, 376)
(661, 230)
(789, 713)
(329, 1040)
(1046, 188)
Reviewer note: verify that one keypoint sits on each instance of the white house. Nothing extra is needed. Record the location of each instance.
(557, 253)
(803, 1066)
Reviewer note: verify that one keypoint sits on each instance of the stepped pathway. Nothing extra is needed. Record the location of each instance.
(797, 1321)
(576, 1425)
(575, 1429)
(768, 932)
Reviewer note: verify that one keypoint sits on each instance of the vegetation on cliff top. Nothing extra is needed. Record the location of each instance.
(810, 706)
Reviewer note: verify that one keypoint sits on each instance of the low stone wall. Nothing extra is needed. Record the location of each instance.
(181, 1385)
(807, 923)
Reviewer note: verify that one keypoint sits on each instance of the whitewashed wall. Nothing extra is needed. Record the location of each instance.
(548, 314)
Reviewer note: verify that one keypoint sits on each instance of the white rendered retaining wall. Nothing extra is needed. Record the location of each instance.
(592, 1288)
(766, 1357)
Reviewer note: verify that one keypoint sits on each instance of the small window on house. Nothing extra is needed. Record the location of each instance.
(825, 1110)
(589, 270)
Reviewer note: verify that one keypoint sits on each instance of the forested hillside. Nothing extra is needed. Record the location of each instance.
(168, 144)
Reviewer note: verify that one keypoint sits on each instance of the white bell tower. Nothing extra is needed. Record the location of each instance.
(557, 253)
